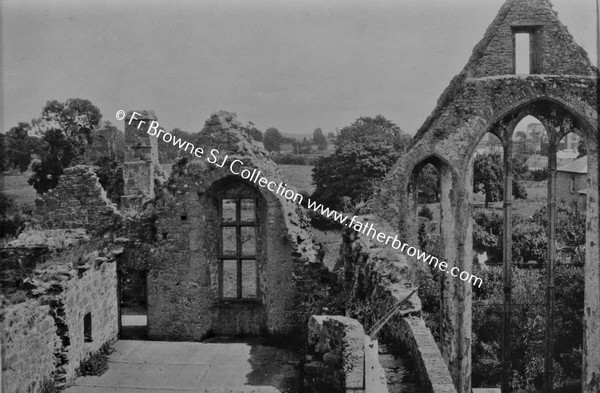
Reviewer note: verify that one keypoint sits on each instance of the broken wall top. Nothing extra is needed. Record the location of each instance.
(554, 49)
(554, 52)
(223, 132)
(78, 201)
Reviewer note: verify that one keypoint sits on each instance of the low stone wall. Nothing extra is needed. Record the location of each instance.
(336, 346)
(375, 278)
(29, 342)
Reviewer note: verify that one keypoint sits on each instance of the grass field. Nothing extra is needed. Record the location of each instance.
(15, 186)
(298, 177)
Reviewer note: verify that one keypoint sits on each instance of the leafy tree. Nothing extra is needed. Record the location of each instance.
(273, 139)
(331, 137)
(364, 152)
(319, 139)
(488, 177)
(428, 184)
(20, 146)
(4, 162)
(66, 129)
(107, 142)
(253, 132)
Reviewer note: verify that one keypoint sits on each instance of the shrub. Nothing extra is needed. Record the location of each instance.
(539, 174)
(96, 364)
(318, 221)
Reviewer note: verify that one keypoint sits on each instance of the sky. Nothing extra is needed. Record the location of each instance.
(291, 64)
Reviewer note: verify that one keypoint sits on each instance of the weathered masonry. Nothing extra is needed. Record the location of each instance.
(556, 83)
(220, 255)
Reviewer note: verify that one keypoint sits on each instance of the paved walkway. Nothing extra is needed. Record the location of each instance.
(173, 367)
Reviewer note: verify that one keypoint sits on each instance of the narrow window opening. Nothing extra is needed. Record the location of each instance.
(238, 272)
(522, 53)
(87, 328)
(183, 218)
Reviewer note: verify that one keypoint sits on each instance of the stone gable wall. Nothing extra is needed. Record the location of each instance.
(179, 248)
(558, 52)
(78, 201)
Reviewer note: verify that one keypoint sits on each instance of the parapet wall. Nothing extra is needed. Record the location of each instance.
(336, 346)
(375, 278)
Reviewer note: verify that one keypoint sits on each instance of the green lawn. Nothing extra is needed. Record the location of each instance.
(15, 186)
(298, 177)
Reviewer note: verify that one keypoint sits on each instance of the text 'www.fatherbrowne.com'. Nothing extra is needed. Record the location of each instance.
(255, 176)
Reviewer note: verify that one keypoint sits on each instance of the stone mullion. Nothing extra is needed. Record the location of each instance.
(507, 262)
(550, 273)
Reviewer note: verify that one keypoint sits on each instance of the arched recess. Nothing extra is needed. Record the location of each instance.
(234, 245)
(455, 242)
(559, 119)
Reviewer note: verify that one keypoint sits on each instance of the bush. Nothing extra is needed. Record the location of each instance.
(539, 174)
(318, 221)
(96, 364)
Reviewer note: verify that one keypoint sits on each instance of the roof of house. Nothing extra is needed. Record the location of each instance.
(577, 166)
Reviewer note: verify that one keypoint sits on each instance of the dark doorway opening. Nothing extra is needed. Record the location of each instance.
(133, 304)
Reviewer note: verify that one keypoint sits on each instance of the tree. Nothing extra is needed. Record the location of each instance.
(253, 132)
(319, 139)
(364, 152)
(273, 139)
(20, 146)
(488, 177)
(428, 184)
(331, 137)
(66, 129)
(107, 142)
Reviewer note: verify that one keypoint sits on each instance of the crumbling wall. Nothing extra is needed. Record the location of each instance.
(375, 278)
(336, 354)
(178, 246)
(75, 281)
(29, 342)
(78, 201)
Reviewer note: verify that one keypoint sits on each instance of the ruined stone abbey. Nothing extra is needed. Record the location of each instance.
(219, 256)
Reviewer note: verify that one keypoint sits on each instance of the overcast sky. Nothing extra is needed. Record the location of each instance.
(294, 65)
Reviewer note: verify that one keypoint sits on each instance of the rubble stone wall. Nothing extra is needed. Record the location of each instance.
(29, 342)
(375, 278)
(43, 338)
(78, 201)
(177, 241)
(336, 347)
